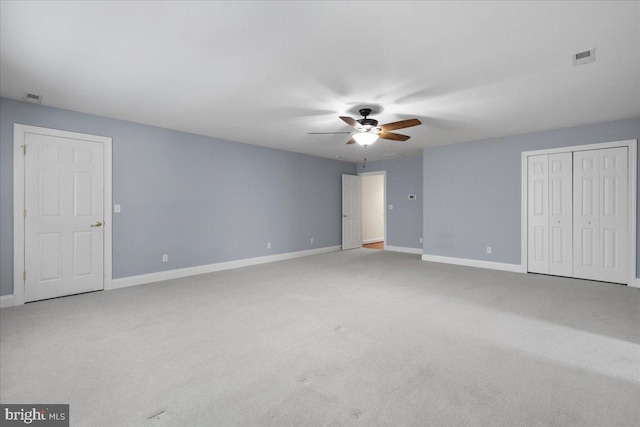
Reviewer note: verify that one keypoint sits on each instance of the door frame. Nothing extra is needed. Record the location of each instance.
(384, 198)
(632, 176)
(19, 131)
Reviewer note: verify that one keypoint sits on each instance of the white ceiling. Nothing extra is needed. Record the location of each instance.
(266, 73)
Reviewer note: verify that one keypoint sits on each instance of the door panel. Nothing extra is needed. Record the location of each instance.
(351, 211)
(589, 196)
(557, 245)
(600, 215)
(586, 217)
(82, 253)
(82, 194)
(49, 254)
(63, 198)
(609, 248)
(613, 215)
(588, 245)
(561, 214)
(538, 216)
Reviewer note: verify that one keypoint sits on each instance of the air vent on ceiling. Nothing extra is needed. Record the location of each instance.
(33, 98)
(394, 155)
(585, 57)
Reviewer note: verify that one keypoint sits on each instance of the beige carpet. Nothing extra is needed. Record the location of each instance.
(356, 338)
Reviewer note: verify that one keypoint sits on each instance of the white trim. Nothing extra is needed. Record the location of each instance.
(210, 268)
(514, 268)
(108, 212)
(631, 144)
(636, 284)
(384, 196)
(585, 147)
(18, 220)
(376, 240)
(6, 301)
(524, 206)
(19, 131)
(403, 249)
(633, 214)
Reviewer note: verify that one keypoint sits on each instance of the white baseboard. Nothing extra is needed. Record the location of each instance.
(515, 268)
(376, 240)
(210, 268)
(6, 301)
(417, 251)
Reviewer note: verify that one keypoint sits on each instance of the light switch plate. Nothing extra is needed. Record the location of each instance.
(116, 208)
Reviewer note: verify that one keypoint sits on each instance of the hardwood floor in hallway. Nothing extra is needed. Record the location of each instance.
(376, 245)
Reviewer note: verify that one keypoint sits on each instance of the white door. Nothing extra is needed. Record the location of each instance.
(560, 214)
(64, 185)
(600, 214)
(538, 215)
(351, 212)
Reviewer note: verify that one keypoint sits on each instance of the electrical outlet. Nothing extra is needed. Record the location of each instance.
(390, 207)
(421, 240)
(311, 240)
(488, 249)
(269, 245)
(165, 258)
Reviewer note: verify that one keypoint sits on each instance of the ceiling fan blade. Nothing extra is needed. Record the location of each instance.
(351, 141)
(351, 122)
(401, 124)
(329, 133)
(393, 136)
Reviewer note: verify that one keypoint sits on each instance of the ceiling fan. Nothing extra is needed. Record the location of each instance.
(367, 130)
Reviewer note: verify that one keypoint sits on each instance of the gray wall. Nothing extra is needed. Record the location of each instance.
(199, 199)
(472, 190)
(404, 177)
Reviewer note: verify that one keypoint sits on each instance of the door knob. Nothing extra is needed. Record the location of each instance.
(97, 224)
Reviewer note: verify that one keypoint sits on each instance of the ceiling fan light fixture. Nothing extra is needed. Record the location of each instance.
(367, 130)
(365, 138)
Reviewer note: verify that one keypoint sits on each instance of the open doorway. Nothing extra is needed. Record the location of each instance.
(373, 214)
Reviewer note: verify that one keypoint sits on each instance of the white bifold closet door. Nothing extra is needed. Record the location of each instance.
(560, 214)
(577, 214)
(550, 241)
(600, 214)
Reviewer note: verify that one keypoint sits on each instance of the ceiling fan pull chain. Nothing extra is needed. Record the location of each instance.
(364, 165)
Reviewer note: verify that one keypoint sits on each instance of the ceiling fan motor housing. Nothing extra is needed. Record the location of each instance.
(368, 124)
